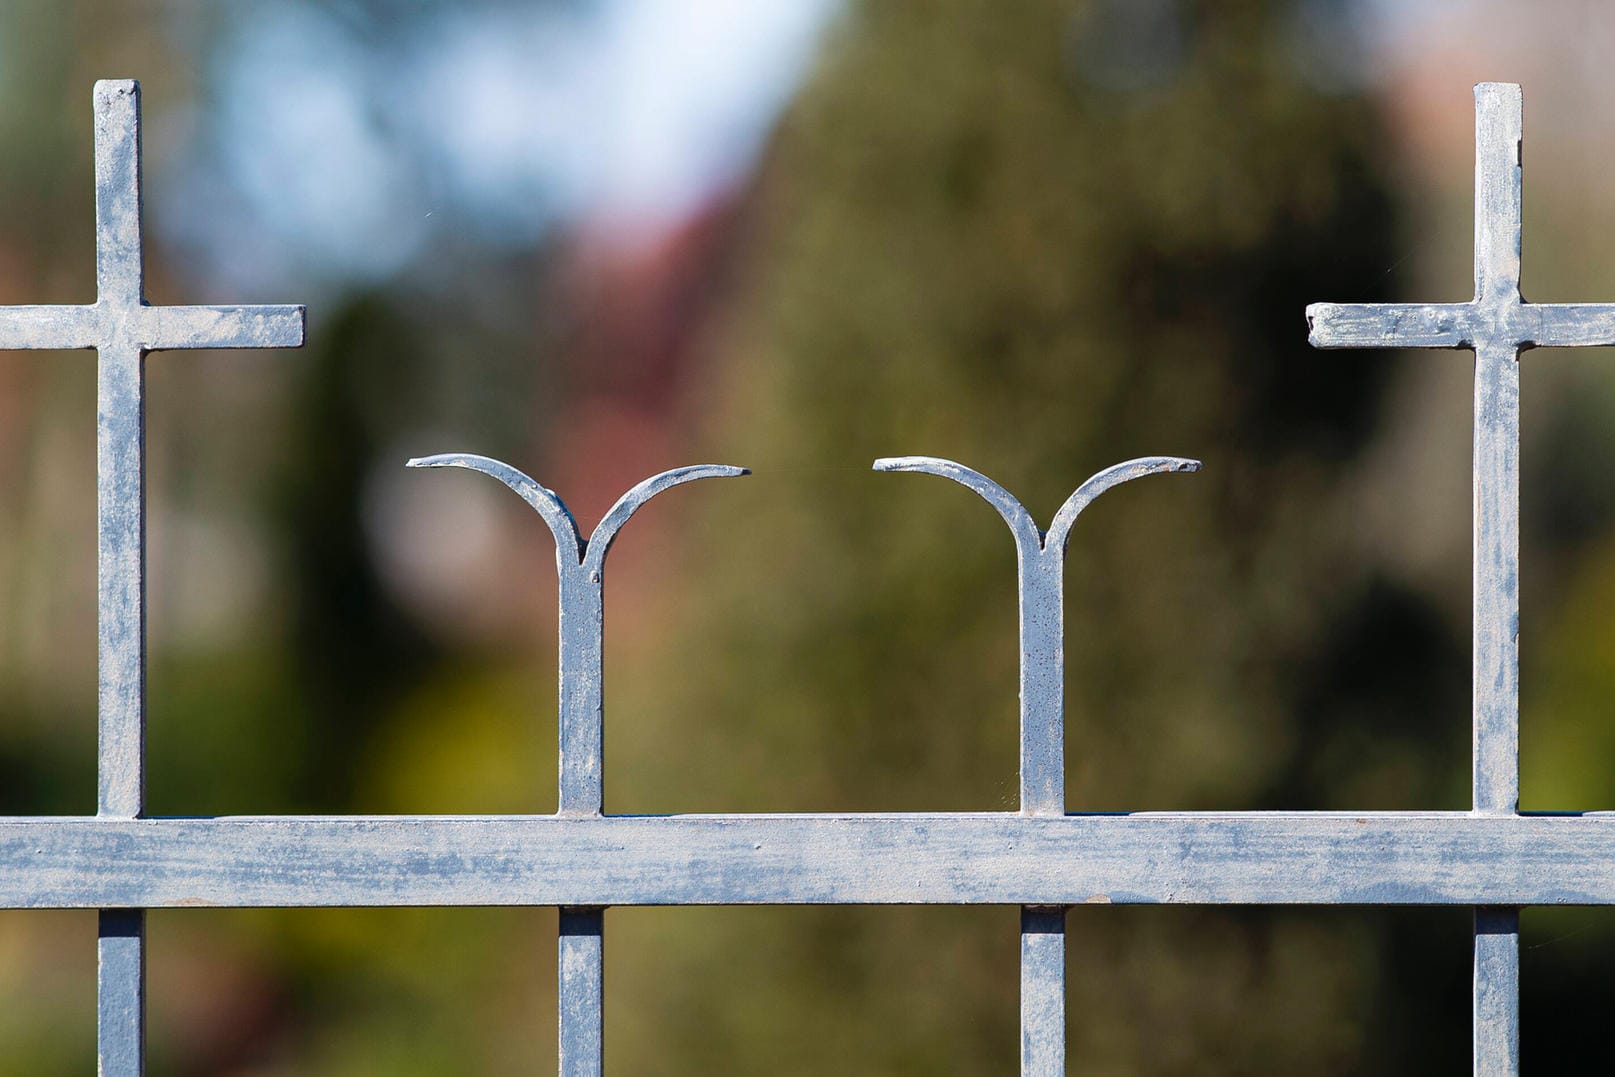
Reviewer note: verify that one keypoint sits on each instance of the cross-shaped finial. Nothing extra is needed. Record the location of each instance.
(1498, 324)
(122, 327)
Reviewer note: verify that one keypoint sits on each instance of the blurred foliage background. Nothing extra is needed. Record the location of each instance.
(601, 239)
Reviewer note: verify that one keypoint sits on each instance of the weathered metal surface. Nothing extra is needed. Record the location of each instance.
(1251, 858)
(1040, 568)
(123, 328)
(1042, 991)
(1496, 991)
(581, 1000)
(581, 566)
(120, 1008)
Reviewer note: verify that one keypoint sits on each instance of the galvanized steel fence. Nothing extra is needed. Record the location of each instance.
(582, 861)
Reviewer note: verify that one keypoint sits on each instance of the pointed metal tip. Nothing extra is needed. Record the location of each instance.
(1314, 312)
(300, 329)
(441, 459)
(893, 463)
(1158, 465)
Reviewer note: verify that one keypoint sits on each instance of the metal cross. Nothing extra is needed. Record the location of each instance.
(122, 327)
(1040, 566)
(580, 564)
(1498, 325)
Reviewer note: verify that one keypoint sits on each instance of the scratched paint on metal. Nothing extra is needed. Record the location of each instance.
(581, 860)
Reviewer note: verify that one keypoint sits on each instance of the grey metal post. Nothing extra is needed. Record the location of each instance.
(581, 957)
(581, 724)
(1495, 680)
(1042, 633)
(1498, 325)
(123, 328)
(120, 432)
(1043, 990)
(1040, 566)
(581, 945)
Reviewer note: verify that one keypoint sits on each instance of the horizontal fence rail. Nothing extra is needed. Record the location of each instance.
(1396, 858)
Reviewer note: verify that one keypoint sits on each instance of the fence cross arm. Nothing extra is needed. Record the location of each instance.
(49, 327)
(1390, 325)
(145, 328)
(1460, 325)
(1566, 325)
(169, 328)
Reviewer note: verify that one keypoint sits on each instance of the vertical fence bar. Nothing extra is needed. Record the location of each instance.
(1498, 136)
(1497, 454)
(581, 952)
(582, 718)
(1042, 629)
(121, 563)
(582, 991)
(120, 1002)
(1043, 990)
(1042, 626)
(1497, 991)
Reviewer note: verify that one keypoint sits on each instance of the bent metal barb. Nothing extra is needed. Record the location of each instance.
(581, 860)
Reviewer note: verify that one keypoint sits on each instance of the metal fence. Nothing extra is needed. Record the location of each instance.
(582, 861)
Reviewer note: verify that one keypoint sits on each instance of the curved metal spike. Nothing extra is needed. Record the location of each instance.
(548, 504)
(1060, 528)
(605, 532)
(1027, 537)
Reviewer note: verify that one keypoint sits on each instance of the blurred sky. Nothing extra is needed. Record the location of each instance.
(505, 120)
(339, 144)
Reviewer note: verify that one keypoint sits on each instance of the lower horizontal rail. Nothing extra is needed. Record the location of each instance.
(1396, 858)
